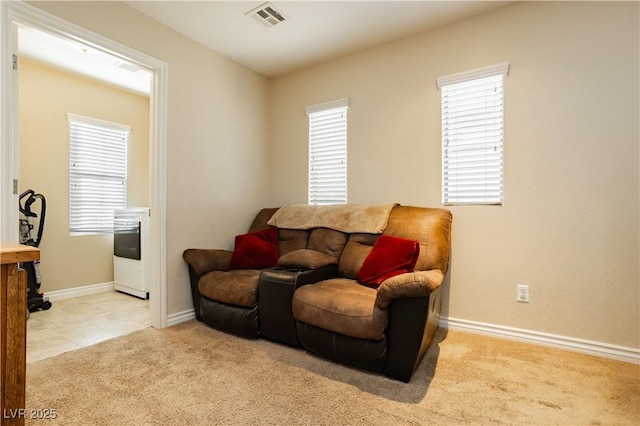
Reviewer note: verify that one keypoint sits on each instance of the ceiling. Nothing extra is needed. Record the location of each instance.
(312, 32)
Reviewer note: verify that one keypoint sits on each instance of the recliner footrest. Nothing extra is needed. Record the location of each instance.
(233, 319)
(362, 353)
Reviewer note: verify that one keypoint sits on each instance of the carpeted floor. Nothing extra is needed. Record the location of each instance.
(191, 374)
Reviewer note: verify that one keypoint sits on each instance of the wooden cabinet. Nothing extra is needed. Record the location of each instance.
(13, 331)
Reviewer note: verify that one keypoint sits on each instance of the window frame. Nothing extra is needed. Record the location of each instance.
(337, 143)
(486, 185)
(84, 130)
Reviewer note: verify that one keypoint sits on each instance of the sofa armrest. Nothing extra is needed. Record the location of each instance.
(207, 260)
(412, 284)
(412, 326)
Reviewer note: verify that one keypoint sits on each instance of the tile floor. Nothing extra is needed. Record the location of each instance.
(71, 324)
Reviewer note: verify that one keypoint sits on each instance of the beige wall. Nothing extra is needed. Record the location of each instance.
(569, 226)
(569, 223)
(217, 169)
(46, 96)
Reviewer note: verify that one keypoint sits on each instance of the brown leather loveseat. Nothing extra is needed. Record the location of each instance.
(328, 287)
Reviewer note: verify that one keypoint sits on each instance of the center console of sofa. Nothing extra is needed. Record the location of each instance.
(275, 291)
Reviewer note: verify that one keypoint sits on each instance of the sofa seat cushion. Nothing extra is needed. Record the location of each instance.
(233, 287)
(340, 305)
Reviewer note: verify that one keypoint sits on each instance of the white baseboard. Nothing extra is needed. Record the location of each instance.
(590, 347)
(179, 317)
(70, 293)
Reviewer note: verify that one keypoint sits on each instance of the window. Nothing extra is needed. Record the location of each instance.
(472, 136)
(97, 173)
(328, 152)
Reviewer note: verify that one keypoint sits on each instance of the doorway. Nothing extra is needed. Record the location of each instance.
(15, 14)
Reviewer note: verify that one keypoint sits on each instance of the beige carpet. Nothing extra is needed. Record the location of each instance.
(190, 374)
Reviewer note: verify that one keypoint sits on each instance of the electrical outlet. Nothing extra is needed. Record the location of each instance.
(523, 293)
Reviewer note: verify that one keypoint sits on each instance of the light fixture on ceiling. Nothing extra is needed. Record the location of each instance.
(128, 66)
(267, 15)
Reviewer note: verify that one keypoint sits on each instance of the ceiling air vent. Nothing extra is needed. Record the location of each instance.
(267, 15)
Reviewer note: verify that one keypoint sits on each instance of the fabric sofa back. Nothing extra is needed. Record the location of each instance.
(357, 249)
(430, 226)
(261, 219)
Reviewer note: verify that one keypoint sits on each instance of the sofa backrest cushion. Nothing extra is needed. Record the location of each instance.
(306, 259)
(357, 249)
(292, 240)
(327, 241)
(431, 227)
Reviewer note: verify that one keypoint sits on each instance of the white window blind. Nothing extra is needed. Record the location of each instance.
(328, 152)
(97, 173)
(473, 136)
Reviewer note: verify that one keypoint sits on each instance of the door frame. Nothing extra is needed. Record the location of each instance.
(13, 13)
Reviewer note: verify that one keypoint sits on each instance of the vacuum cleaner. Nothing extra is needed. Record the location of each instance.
(32, 237)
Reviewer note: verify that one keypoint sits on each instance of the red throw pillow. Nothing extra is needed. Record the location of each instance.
(256, 250)
(390, 256)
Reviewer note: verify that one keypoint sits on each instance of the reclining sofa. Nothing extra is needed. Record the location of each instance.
(360, 285)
